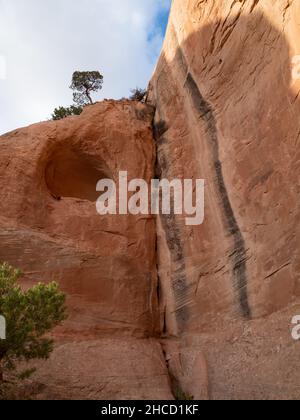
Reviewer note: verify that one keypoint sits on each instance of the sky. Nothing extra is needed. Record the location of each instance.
(43, 42)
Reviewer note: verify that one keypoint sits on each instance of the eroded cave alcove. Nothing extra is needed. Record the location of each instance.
(71, 173)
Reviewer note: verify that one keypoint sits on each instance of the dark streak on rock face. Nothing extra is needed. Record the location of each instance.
(144, 113)
(179, 281)
(172, 232)
(206, 113)
(160, 129)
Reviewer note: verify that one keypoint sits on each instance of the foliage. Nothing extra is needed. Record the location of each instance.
(29, 315)
(137, 94)
(180, 395)
(83, 84)
(63, 112)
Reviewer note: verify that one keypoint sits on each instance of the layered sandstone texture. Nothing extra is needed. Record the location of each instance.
(226, 92)
(106, 265)
(157, 307)
(227, 111)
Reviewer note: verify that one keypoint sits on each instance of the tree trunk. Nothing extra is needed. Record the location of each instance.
(1, 371)
(89, 97)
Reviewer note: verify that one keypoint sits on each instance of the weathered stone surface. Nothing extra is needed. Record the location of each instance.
(105, 369)
(106, 265)
(187, 368)
(228, 112)
(52, 230)
(226, 92)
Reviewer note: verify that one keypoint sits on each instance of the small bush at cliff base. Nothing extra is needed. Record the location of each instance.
(29, 315)
(62, 112)
(137, 94)
(180, 395)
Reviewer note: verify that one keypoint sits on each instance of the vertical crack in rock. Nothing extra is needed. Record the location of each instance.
(206, 113)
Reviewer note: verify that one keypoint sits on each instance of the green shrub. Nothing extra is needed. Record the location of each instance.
(29, 315)
(137, 94)
(64, 112)
(180, 395)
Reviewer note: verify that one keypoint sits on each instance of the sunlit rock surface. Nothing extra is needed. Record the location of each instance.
(226, 92)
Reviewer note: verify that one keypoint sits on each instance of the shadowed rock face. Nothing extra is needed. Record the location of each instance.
(74, 174)
(227, 111)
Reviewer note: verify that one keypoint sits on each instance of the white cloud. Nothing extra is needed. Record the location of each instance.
(43, 42)
(2, 67)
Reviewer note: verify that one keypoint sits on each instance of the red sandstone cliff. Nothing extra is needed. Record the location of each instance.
(214, 319)
(106, 265)
(226, 94)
